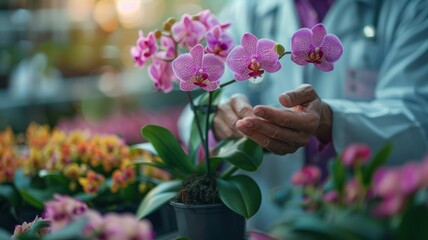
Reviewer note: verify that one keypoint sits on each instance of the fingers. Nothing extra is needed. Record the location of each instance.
(299, 96)
(224, 123)
(271, 144)
(228, 114)
(241, 106)
(249, 126)
(297, 120)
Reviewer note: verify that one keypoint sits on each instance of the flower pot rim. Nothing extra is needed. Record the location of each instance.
(193, 206)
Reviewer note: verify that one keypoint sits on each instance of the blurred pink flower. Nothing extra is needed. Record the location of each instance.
(188, 32)
(317, 47)
(145, 48)
(307, 175)
(62, 210)
(389, 206)
(253, 57)
(209, 20)
(330, 196)
(218, 42)
(356, 154)
(386, 182)
(198, 69)
(125, 227)
(410, 178)
(167, 48)
(162, 75)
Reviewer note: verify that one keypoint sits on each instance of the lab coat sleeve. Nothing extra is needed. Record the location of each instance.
(399, 112)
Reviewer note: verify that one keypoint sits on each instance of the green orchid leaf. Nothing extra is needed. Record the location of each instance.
(168, 148)
(9, 193)
(313, 226)
(55, 180)
(413, 225)
(31, 195)
(378, 160)
(241, 194)
(339, 175)
(157, 197)
(144, 146)
(72, 230)
(159, 165)
(242, 153)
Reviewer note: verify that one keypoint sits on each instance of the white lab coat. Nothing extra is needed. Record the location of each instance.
(378, 91)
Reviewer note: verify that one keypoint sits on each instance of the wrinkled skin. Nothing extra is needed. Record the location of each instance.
(278, 130)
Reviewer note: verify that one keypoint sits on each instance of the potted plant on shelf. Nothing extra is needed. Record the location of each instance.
(192, 53)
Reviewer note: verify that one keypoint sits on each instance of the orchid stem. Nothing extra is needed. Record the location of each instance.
(195, 112)
(207, 127)
(285, 53)
(227, 83)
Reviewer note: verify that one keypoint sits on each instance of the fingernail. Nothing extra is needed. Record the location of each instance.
(242, 128)
(287, 97)
(259, 112)
(241, 125)
(248, 123)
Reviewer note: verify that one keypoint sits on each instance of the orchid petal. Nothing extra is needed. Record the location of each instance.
(266, 52)
(249, 43)
(238, 60)
(324, 66)
(187, 86)
(197, 53)
(301, 40)
(184, 67)
(332, 48)
(272, 68)
(318, 34)
(213, 67)
(299, 58)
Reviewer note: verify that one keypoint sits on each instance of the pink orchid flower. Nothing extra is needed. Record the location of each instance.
(62, 210)
(210, 21)
(389, 206)
(308, 175)
(188, 32)
(162, 75)
(253, 57)
(167, 48)
(330, 197)
(317, 47)
(352, 191)
(411, 178)
(218, 42)
(145, 48)
(356, 154)
(196, 69)
(386, 182)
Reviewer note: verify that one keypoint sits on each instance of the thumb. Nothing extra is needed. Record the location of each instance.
(299, 96)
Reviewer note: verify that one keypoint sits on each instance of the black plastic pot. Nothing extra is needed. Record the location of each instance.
(208, 222)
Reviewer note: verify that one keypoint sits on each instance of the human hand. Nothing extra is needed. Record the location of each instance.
(228, 113)
(284, 130)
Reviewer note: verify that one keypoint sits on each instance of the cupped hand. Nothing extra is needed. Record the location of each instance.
(228, 113)
(284, 130)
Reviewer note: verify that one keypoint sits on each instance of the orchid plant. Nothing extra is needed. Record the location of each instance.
(362, 198)
(69, 218)
(193, 53)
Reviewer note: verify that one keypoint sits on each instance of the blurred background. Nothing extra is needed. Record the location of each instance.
(67, 63)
